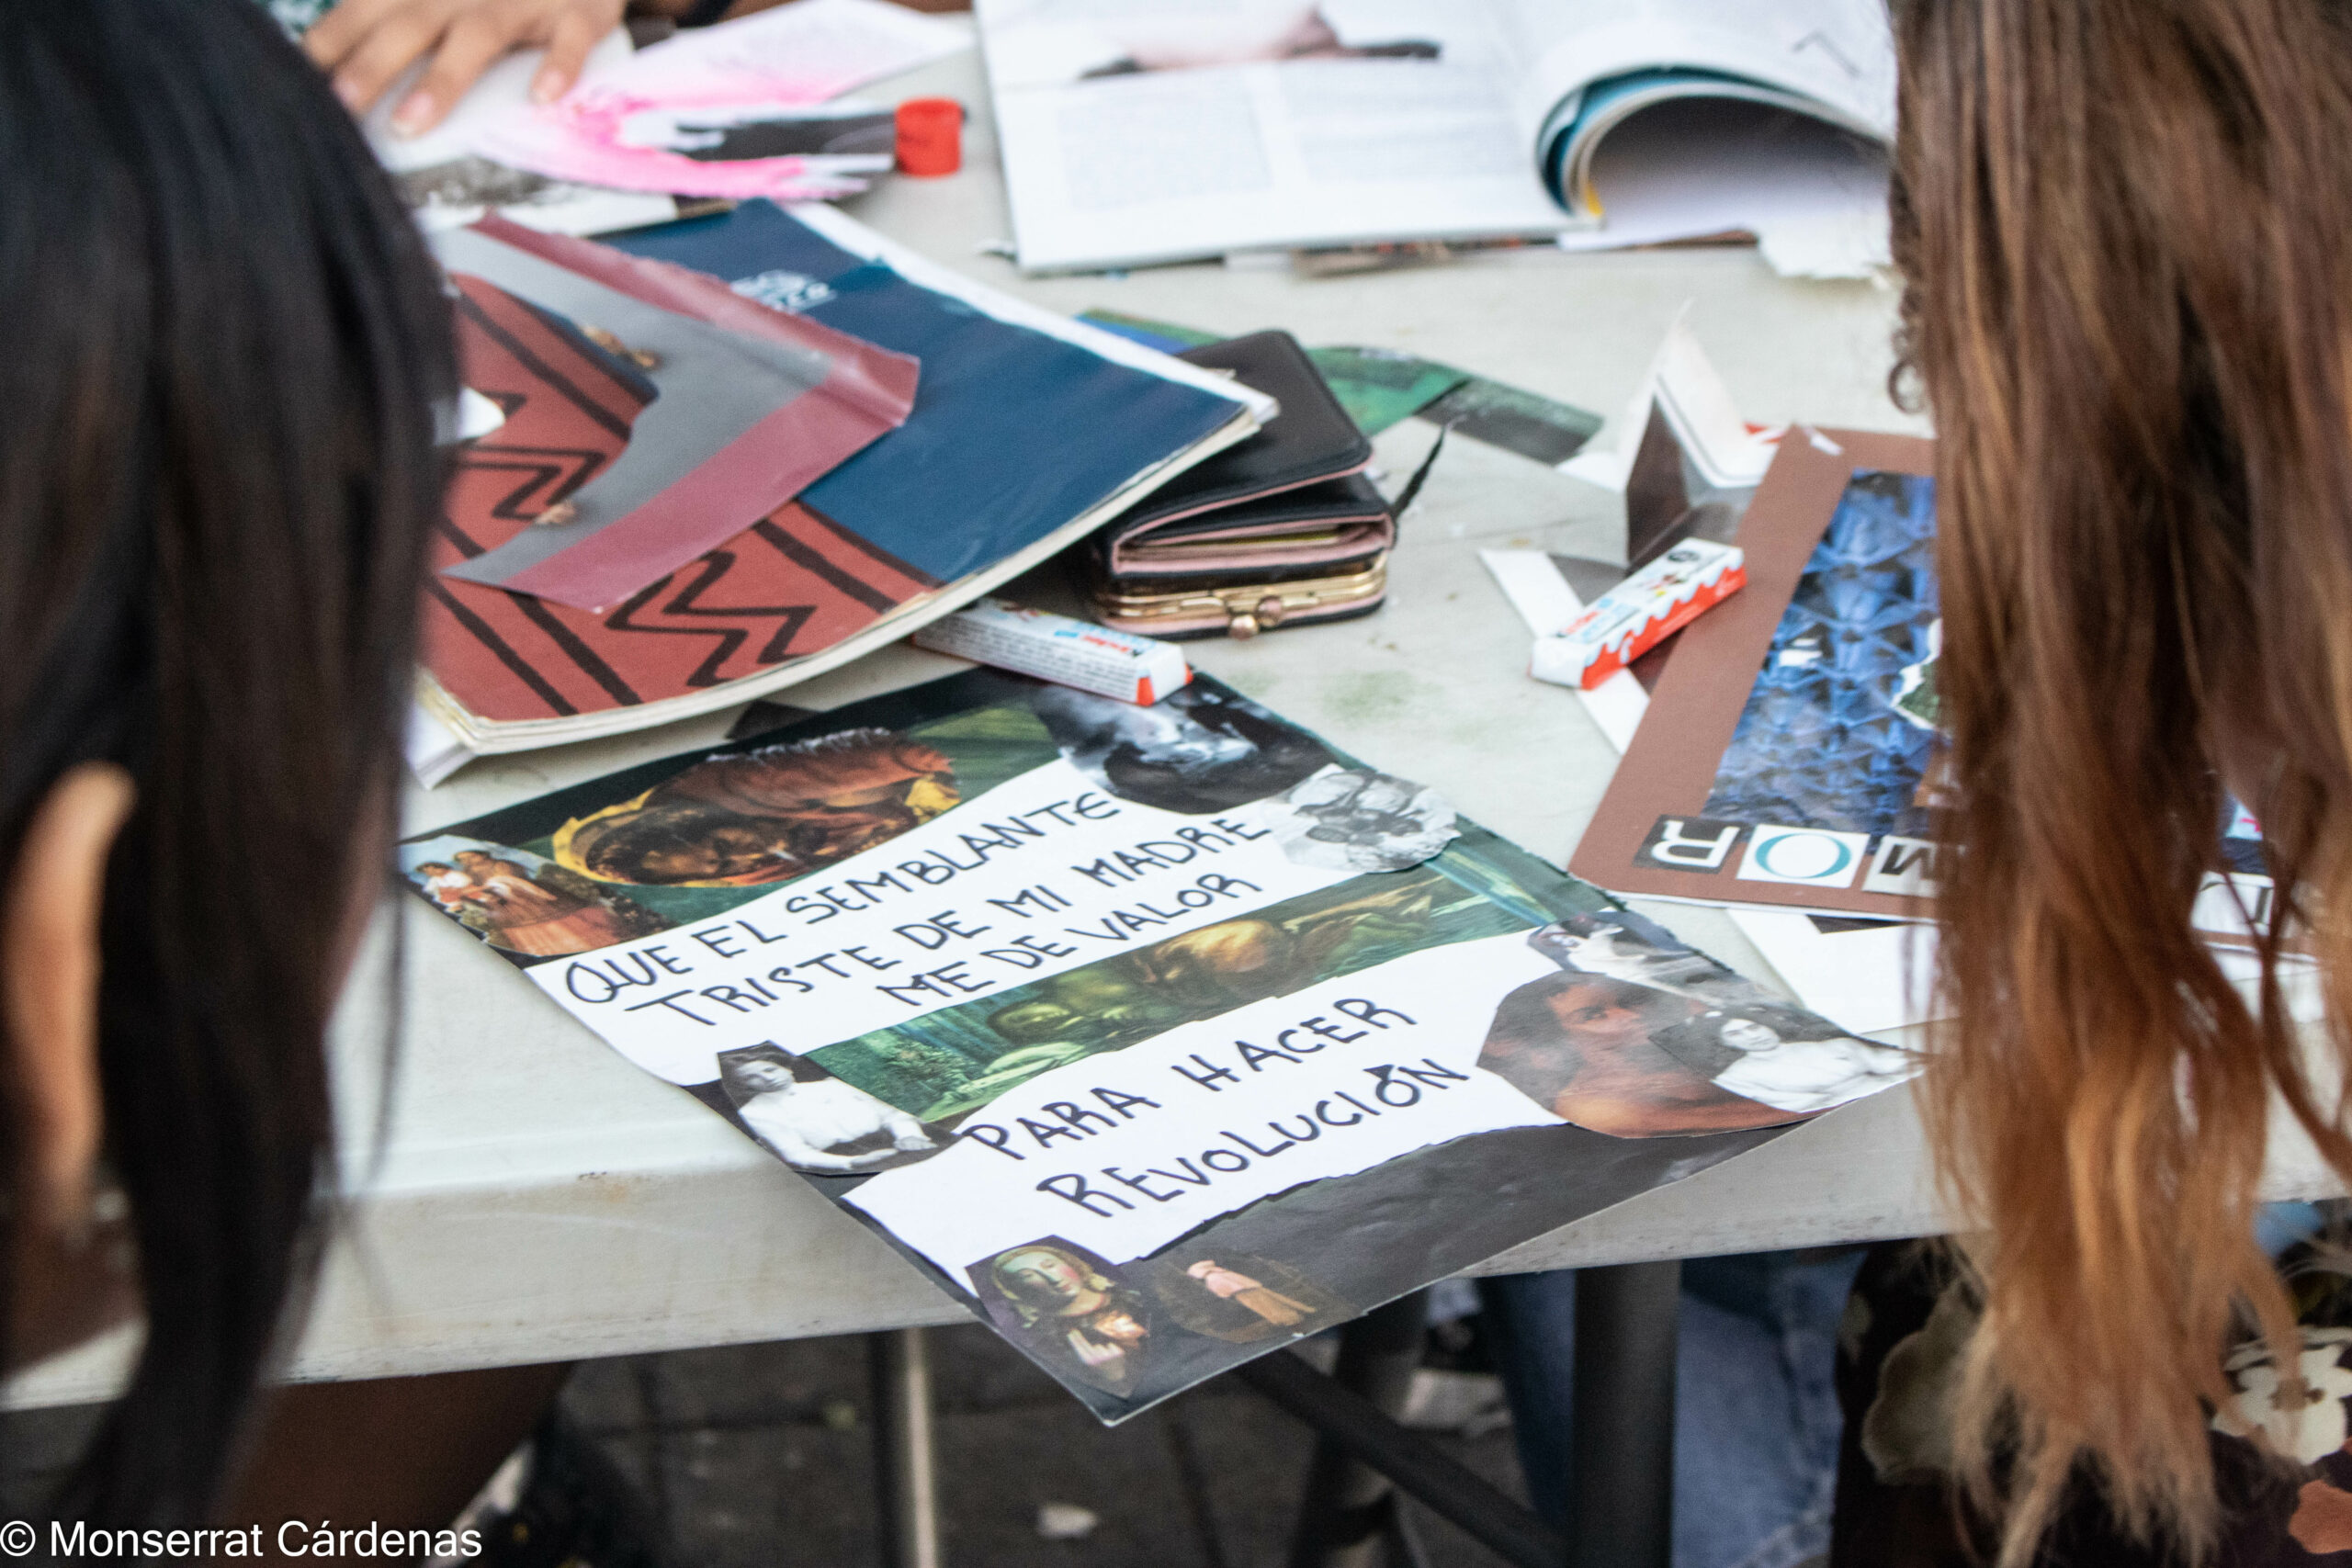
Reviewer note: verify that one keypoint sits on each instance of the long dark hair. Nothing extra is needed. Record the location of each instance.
(2123, 226)
(217, 415)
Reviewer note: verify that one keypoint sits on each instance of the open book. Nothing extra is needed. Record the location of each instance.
(1139, 132)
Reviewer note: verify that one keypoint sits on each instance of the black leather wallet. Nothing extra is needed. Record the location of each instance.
(1310, 441)
(1288, 506)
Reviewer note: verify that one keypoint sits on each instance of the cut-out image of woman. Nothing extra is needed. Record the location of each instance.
(1070, 1307)
(1587, 1049)
(1640, 1036)
(1782, 1058)
(813, 1121)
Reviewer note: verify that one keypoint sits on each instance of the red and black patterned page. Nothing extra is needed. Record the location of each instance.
(791, 585)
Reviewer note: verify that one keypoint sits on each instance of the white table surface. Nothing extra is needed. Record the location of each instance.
(540, 1198)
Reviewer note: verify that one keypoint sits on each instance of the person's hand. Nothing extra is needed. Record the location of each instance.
(1091, 1352)
(367, 44)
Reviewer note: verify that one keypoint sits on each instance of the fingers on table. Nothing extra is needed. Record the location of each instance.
(368, 43)
(477, 35)
(579, 25)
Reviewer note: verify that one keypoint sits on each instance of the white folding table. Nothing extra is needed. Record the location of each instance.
(539, 1199)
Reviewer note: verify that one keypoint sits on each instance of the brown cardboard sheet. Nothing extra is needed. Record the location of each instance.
(1670, 768)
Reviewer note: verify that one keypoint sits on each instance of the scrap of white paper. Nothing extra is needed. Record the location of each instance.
(1039, 875)
(1547, 604)
(1829, 246)
(1685, 387)
(1874, 977)
(1682, 385)
(477, 415)
(1881, 976)
(1194, 1127)
(432, 748)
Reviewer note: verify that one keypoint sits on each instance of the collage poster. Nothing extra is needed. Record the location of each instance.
(1161, 1036)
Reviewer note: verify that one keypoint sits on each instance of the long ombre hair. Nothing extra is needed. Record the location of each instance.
(2126, 232)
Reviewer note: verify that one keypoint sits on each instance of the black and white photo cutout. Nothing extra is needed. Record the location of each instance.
(815, 1121)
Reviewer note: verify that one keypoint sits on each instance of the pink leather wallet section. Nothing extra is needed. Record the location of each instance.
(1211, 555)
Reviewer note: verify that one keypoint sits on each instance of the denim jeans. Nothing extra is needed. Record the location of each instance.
(1756, 1421)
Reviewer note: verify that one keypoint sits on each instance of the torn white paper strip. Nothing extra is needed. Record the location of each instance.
(1547, 602)
(1039, 875)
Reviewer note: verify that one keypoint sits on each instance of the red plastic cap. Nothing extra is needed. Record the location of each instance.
(931, 136)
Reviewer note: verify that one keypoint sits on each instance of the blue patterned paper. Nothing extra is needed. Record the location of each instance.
(1821, 743)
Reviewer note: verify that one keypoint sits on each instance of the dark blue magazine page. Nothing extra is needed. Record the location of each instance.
(1015, 434)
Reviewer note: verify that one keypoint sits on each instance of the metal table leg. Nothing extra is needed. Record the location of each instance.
(1344, 1515)
(1417, 1466)
(1622, 1468)
(905, 1461)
